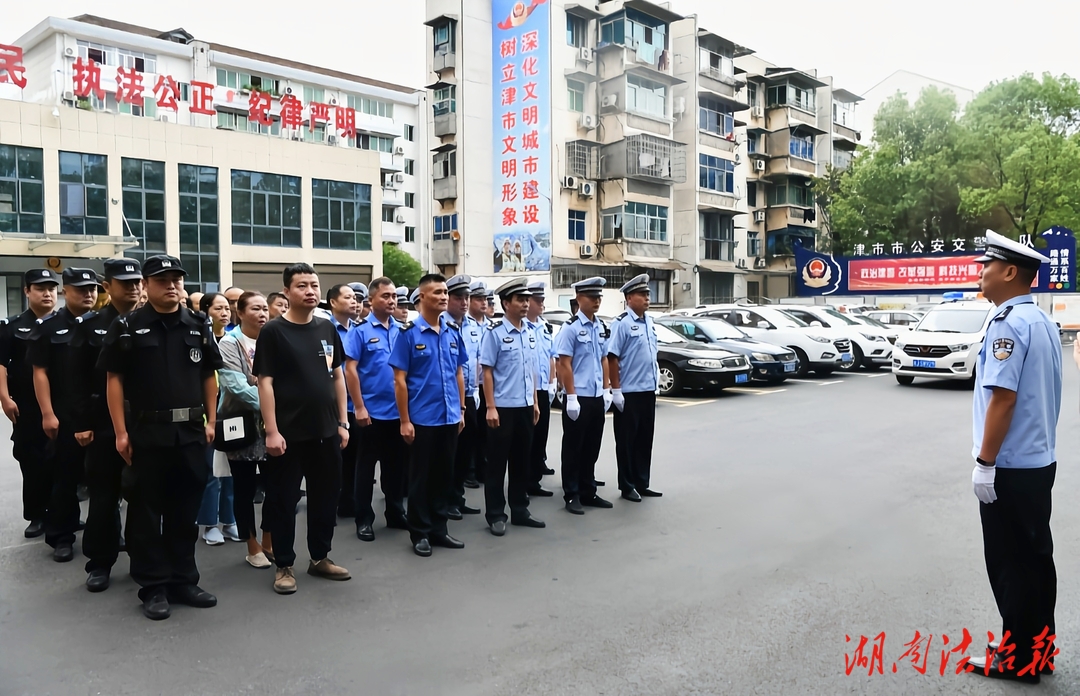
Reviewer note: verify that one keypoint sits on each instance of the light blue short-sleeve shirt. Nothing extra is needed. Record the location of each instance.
(583, 341)
(633, 342)
(1021, 353)
(510, 354)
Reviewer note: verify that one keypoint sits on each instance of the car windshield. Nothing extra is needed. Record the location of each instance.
(870, 321)
(841, 317)
(666, 335)
(784, 320)
(719, 329)
(954, 320)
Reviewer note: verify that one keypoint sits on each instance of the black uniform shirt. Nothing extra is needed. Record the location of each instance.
(90, 410)
(164, 359)
(14, 341)
(50, 347)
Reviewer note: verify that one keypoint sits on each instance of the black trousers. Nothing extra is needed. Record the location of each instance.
(509, 449)
(1019, 553)
(538, 447)
(245, 481)
(319, 462)
(29, 443)
(104, 466)
(465, 454)
(480, 440)
(65, 460)
(634, 427)
(431, 479)
(166, 494)
(349, 460)
(581, 448)
(381, 442)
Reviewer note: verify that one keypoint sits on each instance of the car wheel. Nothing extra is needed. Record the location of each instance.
(856, 359)
(904, 379)
(670, 383)
(802, 363)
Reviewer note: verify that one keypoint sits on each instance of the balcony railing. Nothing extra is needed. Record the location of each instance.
(645, 157)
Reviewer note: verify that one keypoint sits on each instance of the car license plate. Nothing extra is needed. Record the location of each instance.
(924, 363)
(789, 367)
(845, 357)
(739, 379)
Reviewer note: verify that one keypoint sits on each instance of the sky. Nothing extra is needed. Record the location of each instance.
(858, 42)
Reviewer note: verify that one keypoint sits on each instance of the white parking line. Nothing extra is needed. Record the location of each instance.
(825, 384)
(871, 376)
(755, 392)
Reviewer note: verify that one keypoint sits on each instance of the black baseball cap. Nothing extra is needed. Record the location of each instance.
(79, 277)
(122, 269)
(162, 263)
(36, 276)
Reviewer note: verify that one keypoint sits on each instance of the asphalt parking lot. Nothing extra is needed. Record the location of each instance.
(792, 516)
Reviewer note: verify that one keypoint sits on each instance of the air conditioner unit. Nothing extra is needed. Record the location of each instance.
(759, 216)
(288, 90)
(679, 106)
(611, 100)
(587, 189)
(738, 159)
(759, 165)
(588, 121)
(569, 182)
(757, 111)
(586, 250)
(333, 101)
(69, 96)
(399, 217)
(399, 178)
(164, 118)
(585, 54)
(331, 140)
(399, 150)
(740, 263)
(759, 263)
(69, 52)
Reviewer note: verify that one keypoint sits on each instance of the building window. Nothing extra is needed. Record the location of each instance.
(843, 114)
(802, 146)
(118, 57)
(753, 243)
(790, 95)
(716, 66)
(314, 94)
(752, 94)
(842, 159)
(410, 167)
(583, 159)
(22, 195)
(444, 38)
(341, 215)
(575, 225)
(84, 199)
(718, 232)
(410, 132)
(575, 96)
(379, 143)
(716, 174)
(635, 29)
(232, 120)
(751, 194)
(199, 226)
(791, 194)
(387, 214)
(444, 100)
(751, 144)
(646, 97)
(265, 209)
(410, 200)
(444, 164)
(577, 31)
(410, 234)
(637, 221)
(715, 118)
(247, 81)
(371, 107)
(316, 136)
(144, 205)
(444, 226)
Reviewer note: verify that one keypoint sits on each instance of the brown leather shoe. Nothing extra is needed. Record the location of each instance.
(284, 581)
(328, 569)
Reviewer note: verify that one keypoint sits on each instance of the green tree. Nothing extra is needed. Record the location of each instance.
(399, 267)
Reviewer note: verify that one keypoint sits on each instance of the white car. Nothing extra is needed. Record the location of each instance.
(945, 344)
(870, 347)
(818, 348)
(897, 318)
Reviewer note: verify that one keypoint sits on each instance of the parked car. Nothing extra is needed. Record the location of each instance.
(893, 332)
(817, 348)
(770, 363)
(896, 318)
(945, 344)
(870, 347)
(687, 364)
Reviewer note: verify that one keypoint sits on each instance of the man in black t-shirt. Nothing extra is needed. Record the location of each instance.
(298, 361)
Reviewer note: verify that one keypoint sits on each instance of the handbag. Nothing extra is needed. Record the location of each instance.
(236, 432)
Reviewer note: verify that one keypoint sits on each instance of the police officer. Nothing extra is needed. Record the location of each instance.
(583, 371)
(93, 428)
(19, 401)
(343, 314)
(545, 389)
(428, 358)
(162, 399)
(401, 310)
(1016, 406)
(457, 310)
(509, 357)
(54, 378)
(632, 368)
(363, 304)
(481, 307)
(371, 383)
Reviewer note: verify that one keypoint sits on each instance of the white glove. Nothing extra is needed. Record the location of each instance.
(618, 399)
(982, 479)
(476, 398)
(573, 408)
(552, 389)
(607, 399)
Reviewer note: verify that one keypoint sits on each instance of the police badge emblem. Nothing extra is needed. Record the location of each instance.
(1003, 348)
(195, 354)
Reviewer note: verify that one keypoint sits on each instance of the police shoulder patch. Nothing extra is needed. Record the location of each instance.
(1003, 348)
(407, 325)
(453, 325)
(86, 317)
(495, 324)
(624, 315)
(572, 319)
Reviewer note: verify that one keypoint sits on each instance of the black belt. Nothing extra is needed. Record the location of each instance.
(173, 415)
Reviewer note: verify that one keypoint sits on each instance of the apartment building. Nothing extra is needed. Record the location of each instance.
(120, 139)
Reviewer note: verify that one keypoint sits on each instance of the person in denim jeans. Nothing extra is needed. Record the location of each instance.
(217, 504)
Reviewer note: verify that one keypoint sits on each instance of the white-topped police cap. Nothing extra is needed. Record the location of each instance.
(636, 284)
(402, 293)
(537, 288)
(517, 286)
(414, 296)
(458, 283)
(1001, 248)
(590, 286)
(360, 289)
(477, 288)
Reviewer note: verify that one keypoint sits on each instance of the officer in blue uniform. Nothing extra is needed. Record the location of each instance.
(344, 307)
(509, 356)
(371, 384)
(401, 309)
(1016, 406)
(633, 370)
(545, 389)
(457, 310)
(478, 305)
(583, 371)
(429, 387)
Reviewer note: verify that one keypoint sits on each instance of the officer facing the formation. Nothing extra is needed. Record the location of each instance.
(401, 310)
(583, 371)
(54, 380)
(634, 381)
(161, 361)
(19, 401)
(93, 428)
(545, 389)
(1016, 406)
(458, 289)
(509, 357)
